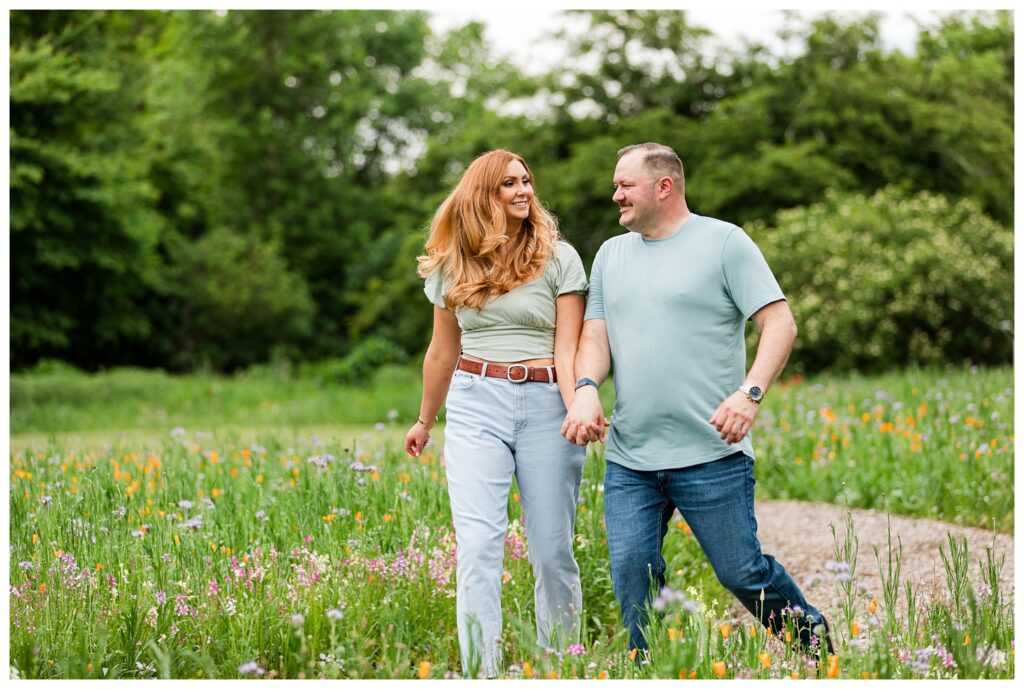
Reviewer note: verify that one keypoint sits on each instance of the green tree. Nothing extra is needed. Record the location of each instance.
(313, 111)
(463, 78)
(83, 230)
(237, 301)
(777, 132)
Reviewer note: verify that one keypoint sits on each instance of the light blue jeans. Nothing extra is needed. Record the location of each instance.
(495, 430)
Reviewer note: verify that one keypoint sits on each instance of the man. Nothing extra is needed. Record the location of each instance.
(668, 303)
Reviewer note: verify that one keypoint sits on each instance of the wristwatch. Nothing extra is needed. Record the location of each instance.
(753, 393)
(586, 381)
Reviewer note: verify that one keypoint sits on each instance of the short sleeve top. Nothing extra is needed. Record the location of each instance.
(675, 311)
(519, 324)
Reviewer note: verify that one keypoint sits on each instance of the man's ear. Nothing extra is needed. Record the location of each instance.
(665, 185)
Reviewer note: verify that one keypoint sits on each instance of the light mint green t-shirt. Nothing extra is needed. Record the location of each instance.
(519, 324)
(675, 311)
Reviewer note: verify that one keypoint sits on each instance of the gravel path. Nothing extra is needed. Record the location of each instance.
(797, 534)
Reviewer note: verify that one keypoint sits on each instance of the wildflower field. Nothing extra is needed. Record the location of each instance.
(206, 555)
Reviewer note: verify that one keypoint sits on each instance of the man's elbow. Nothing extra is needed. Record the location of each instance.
(779, 319)
(791, 330)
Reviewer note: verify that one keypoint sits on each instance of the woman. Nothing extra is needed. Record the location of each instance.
(508, 309)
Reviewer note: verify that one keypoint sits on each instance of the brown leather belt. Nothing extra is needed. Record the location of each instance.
(514, 373)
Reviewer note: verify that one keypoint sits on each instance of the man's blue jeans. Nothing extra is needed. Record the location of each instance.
(717, 501)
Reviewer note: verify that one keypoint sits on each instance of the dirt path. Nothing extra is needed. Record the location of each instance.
(797, 534)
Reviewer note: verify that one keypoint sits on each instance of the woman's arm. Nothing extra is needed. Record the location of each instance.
(568, 323)
(438, 366)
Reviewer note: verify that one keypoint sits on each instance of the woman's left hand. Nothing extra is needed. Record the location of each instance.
(416, 439)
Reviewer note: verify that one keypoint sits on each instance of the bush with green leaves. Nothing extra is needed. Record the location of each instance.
(360, 366)
(893, 279)
(237, 300)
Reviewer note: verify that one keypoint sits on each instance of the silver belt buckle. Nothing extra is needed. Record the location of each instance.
(526, 373)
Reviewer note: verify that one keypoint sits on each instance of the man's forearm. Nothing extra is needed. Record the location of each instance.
(777, 336)
(585, 420)
(593, 359)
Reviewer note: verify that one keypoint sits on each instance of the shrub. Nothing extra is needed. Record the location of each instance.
(360, 366)
(893, 279)
(238, 302)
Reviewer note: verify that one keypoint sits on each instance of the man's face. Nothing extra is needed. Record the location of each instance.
(635, 193)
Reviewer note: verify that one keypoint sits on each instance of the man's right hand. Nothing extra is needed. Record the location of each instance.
(585, 421)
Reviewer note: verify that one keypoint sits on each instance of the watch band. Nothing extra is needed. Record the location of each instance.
(586, 381)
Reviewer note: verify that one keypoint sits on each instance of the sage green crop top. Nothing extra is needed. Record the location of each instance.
(519, 324)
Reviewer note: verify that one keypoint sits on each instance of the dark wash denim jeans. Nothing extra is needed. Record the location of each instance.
(717, 501)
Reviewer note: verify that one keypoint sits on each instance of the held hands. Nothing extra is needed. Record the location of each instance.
(585, 420)
(734, 417)
(416, 439)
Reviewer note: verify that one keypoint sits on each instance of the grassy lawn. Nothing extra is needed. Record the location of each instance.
(153, 438)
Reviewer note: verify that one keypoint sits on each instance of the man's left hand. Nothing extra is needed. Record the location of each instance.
(734, 417)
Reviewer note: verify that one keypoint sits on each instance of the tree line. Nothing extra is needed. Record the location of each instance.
(201, 189)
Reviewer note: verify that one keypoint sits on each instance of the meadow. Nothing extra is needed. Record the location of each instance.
(199, 551)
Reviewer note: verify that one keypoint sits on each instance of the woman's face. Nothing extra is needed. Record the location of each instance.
(515, 193)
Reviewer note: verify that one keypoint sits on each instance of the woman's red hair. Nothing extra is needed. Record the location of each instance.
(470, 226)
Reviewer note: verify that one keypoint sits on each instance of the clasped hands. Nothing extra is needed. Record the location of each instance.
(585, 421)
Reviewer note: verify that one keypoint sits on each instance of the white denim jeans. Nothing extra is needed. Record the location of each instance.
(496, 430)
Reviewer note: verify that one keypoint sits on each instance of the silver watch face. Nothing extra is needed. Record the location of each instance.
(755, 393)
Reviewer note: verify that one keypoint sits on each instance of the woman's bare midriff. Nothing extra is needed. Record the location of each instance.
(525, 362)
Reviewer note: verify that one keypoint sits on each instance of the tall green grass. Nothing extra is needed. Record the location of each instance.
(207, 555)
(937, 444)
(933, 444)
(194, 560)
(64, 400)
(217, 559)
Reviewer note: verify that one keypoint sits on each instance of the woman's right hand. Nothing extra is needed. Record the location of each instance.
(416, 439)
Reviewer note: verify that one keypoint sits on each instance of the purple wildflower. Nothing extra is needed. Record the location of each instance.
(251, 668)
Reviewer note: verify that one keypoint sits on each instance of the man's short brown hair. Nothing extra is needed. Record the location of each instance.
(659, 160)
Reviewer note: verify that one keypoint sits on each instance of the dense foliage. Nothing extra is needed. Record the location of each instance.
(893, 277)
(168, 167)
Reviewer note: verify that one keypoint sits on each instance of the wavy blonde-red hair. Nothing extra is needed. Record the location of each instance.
(469, 227)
